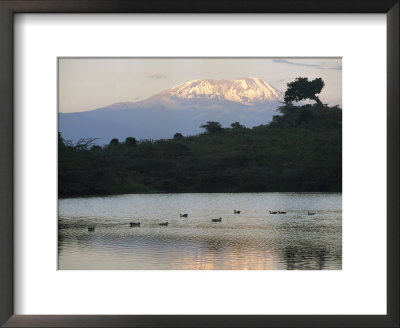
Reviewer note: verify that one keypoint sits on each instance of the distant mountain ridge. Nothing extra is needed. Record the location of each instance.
(247, 91)
(182, 108)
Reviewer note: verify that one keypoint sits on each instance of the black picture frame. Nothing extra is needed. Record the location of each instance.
(7, 10)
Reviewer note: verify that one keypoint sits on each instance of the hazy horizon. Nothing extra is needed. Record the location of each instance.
(91, 83)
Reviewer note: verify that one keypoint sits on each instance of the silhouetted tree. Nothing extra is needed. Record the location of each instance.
(62, 143)
(301, 88)
(130, 141)
(212, 127)
(178, 135)
(84, 144)
(114, 141)
(236, 125)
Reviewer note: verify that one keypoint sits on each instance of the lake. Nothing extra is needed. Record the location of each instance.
(251, 240)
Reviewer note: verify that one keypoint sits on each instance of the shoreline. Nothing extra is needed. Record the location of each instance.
(197, 192)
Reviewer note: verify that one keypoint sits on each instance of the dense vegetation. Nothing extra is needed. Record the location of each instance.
(300, 150)
(301, 88)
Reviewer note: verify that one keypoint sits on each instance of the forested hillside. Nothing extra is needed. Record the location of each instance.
(299, 150)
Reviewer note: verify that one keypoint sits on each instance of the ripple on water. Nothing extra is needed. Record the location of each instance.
(254, 239)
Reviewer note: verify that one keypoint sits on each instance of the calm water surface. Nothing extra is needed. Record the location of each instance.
(254, 239)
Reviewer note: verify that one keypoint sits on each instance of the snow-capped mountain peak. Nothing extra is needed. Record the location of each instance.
(182, 108)
(246, 90)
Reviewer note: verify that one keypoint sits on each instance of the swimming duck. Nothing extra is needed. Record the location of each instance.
(217, 220)
(163, 224)
(90, 228)
(183, 215)
(134, 224)
(236, 212)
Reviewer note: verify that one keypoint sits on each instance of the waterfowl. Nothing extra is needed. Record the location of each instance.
(90, 228)
(183, 215)
(134, 224)
(236, 212)
(217, 220)
(310, 213)
(164, 224)
(280, 212)
(274, 212)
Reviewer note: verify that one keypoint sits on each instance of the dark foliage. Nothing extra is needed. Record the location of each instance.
(178, 135)
(300, 150)
(301, 89)
(114, 141)
(130, 141)
(212, 127)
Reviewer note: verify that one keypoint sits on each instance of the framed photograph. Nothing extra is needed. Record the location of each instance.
(190, 165)
(205, 149)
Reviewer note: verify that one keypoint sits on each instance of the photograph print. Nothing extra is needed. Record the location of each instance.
(199, 163)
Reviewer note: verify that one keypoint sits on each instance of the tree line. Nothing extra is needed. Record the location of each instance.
(299, 150)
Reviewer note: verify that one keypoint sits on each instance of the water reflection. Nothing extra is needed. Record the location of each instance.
(253, 240)
(305, 257)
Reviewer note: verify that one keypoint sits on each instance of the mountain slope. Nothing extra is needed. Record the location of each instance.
(248, 91)
(182, 108)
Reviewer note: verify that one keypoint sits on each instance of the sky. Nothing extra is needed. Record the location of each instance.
(91, 83)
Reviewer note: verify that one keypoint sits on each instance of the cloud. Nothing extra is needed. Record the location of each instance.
(338, 67)
(284, 61)
(153, 75)
(318, 66)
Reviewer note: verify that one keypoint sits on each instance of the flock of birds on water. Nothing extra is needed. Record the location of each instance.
(165, 224)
